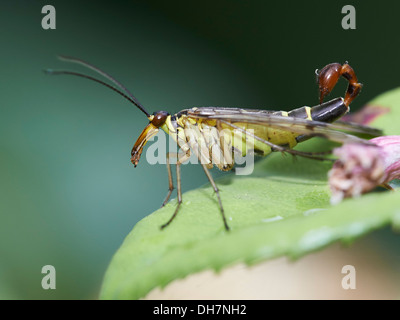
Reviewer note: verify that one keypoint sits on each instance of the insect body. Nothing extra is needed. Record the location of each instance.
(215, 134)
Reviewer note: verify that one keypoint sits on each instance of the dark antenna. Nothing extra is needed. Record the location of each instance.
(127, 95)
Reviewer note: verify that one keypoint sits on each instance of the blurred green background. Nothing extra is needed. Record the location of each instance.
(69, 194)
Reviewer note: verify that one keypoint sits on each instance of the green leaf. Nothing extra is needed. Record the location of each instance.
(281, 209)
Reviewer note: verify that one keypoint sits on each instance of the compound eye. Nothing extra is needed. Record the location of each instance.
(159, 118)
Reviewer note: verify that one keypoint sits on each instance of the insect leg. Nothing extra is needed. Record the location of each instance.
(180, 160)
(178, 186)
(210, 178)
(170, 181)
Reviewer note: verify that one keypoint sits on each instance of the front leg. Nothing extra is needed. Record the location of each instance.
(170, 181)
(180, 159)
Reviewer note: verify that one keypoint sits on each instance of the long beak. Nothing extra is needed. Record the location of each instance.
(147, 133)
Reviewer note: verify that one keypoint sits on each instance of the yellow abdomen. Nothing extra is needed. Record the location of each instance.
(244, 143)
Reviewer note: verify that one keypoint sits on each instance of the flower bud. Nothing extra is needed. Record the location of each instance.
(360, 168)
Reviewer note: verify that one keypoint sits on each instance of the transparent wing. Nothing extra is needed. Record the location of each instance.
(300, 126)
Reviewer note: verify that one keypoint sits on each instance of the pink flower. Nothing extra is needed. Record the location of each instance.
(360, 168)
(366, 115)
(390, 146)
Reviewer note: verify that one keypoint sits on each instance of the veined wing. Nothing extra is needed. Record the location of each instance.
(357, 128)
(298, 125)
